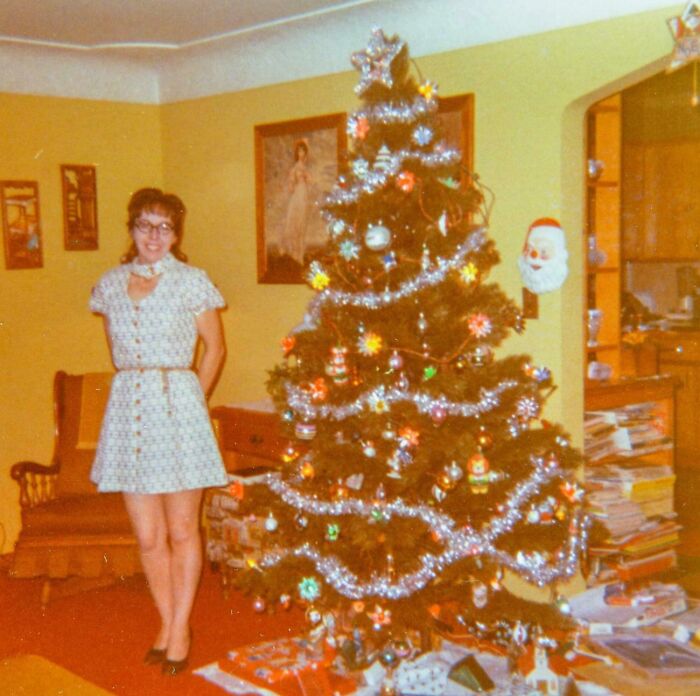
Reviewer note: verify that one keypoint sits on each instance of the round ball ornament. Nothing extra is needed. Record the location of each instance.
(481, 356)
(395, 361)
(306, 470)
(403, 648)
(438, 413)
(446, 482)
(480, 595)
(461, 362)
(313, 615)
(271, 523)
(438, 493)
(259, 605)
(377, 237)
(388, 657)
(454, 471)
(285, 601)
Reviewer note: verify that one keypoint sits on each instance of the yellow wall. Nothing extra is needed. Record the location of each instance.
(44, 321)
(531, 95)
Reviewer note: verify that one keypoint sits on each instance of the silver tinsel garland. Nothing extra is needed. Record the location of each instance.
(390, 113)
(375, 180)
(460, 543)
(379, 300)
(300, 401)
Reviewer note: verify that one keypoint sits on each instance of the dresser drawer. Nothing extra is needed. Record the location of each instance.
(248, 438)
(678, 347)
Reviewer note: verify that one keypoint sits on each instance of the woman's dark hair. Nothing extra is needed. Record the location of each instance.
(153, 200)
(300, 145)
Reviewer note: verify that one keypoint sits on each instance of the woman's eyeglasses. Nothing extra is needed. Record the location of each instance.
(162, 229)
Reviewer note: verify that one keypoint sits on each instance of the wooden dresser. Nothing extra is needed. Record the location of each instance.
(249, 436)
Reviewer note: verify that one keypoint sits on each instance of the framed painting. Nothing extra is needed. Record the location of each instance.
(295, 163)
(79, 186)
(21, 224)
(456, 116)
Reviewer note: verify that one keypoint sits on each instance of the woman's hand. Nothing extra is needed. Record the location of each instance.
(209, 330)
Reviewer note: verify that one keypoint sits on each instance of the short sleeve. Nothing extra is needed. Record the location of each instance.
(203, 294)
(98, 299)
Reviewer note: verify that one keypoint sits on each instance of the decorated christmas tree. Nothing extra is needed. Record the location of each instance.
(421, 473)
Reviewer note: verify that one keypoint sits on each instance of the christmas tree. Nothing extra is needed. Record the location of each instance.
(421, 470)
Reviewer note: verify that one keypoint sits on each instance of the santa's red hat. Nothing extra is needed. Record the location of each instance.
(544, 223)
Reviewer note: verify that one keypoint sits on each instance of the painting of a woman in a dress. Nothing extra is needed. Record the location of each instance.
(292, 240)
(296, 162)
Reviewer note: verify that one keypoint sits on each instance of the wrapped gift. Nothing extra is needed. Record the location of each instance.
(289, 666)
(426, 674)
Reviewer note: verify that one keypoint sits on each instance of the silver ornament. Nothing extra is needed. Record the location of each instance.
(271, 523)
(377, 237)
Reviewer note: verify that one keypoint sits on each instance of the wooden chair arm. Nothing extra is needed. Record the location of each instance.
(37, 482)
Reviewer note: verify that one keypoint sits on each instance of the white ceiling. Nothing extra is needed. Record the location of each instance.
(158, 51)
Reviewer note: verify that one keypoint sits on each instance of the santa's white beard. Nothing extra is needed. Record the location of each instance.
(549, 276)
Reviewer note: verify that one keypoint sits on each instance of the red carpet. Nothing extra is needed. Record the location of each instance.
(103, 634)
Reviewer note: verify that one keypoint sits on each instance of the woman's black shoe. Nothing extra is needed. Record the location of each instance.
(154, 656)
(173, 667)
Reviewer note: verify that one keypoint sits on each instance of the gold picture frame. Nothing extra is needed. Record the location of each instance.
(21, 224)
(456, 114)
(295, 163)
(79, 186)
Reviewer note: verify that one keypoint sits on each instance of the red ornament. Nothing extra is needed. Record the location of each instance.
(406, 181)
(236, 490)
(361, 128)
(288, 343)
(318, 389)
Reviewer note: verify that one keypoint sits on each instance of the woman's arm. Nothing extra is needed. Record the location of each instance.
(209, 329)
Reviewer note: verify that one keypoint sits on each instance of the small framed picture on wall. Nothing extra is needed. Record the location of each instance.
(456, 116)
(21, 224)
(79, 185)
(296, 162)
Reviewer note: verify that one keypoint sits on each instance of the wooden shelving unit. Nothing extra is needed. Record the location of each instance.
(603, 286)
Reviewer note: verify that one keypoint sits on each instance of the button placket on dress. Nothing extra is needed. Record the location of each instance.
(137, 399)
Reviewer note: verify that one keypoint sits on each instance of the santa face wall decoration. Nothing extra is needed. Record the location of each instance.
(542, 262)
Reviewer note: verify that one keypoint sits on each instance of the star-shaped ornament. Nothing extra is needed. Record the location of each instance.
(374, 63)
(685, 30)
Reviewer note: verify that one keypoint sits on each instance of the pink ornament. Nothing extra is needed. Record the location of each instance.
(438, 413)
(395, 361)
(479, 325)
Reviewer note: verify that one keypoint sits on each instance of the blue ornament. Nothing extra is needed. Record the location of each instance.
(309, 589)
(422, 135)
(349, 250)
(389, 261)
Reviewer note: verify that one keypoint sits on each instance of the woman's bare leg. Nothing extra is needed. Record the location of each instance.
(182, 517)
(148, 520)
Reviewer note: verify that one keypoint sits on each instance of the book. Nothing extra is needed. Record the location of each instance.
(635, 568)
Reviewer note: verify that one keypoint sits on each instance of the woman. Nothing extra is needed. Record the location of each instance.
(156, 445)
(293, 238)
